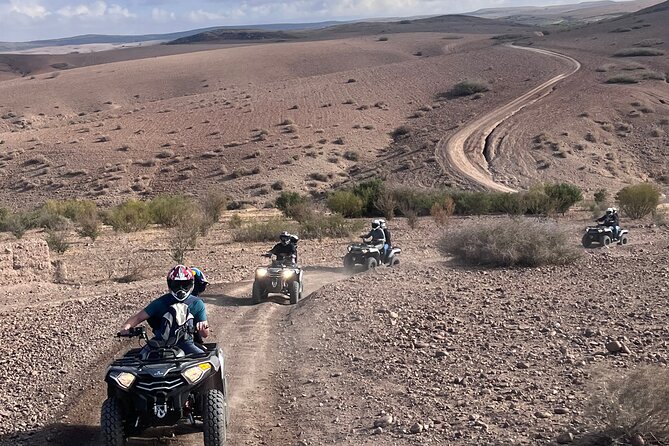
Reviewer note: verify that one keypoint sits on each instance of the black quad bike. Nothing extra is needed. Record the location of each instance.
(603, 236)
(161, 386)
(282, 276)
(369, 256)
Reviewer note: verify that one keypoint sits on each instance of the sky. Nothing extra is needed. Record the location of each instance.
(24, 20)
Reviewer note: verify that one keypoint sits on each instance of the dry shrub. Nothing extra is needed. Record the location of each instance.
(235, 222)
(213, 203)
(465, 88)
(89, 226)
(130, 216)
(409, 210)
(441, 212)
(634, 403)
(622, 79)
(386, 203)
(263, 231)
(635, 52)
(183, 235)
(57, 241)
(509, 242)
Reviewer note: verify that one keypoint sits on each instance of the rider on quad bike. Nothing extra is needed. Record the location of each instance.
(610, 219)
(181, 283)
(286, 248)
(377, 235)
(388, 245)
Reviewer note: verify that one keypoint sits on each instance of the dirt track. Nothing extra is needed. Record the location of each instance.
(249, 335)
(469, 150)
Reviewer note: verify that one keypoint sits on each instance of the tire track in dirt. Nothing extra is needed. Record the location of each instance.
(247, 334)
(465, 150)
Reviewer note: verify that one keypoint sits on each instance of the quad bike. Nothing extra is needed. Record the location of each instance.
(603, 236)
(369, 256)
(161, 386)
(282, 276)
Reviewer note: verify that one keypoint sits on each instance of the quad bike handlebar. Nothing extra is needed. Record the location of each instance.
(134, 332)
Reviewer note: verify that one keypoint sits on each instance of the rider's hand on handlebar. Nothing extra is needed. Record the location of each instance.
(123, 332)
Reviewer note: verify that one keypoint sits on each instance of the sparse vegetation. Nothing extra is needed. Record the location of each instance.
(639, 200)
(130, 216)
(638, 52)
(184, 234)
(400, 131)
(509, 242)
(213, 203)
(622, 79)
(631, 404)
(465, 88)
(57, 241)
(346, 203)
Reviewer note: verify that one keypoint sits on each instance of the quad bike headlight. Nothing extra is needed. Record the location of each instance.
(261, 272)
(365, 251)
(195, 373)
(123, 379)
(287, 274)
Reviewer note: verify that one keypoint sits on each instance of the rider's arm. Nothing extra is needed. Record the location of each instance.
(135, 320)
(200, 315)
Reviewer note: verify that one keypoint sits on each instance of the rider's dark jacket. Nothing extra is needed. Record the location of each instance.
(281, 250)
(609, 220)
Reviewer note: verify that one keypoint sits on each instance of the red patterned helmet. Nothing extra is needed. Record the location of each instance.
(180, 281)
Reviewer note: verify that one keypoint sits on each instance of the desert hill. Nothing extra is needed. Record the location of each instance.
(569, 14)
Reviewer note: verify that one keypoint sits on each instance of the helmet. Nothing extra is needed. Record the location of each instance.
(180, 281)
(376, 224)
(294, 239)
(284, 237)
(615, 211)
(201, 281)
(384, 225)
(610, 211)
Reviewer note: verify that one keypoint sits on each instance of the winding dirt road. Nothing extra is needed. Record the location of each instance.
(252, 340)
(470, 150)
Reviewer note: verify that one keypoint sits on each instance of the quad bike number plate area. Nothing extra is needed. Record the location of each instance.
(160, 410)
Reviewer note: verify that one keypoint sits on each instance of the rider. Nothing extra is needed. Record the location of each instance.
(287, 247)
(388, 245)
(378, 238)
(610, 218)
(181, 282)
(201, 281)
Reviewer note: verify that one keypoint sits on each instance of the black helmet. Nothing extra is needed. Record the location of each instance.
(284, 237)
(376, 224)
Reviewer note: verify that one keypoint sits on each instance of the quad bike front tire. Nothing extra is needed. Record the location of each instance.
(586, 241)
(214, 418)
(606, 240)
(294, 292)
(623, 240)
(370, 263)
(256, 293)
(112, 429)
(349, 264)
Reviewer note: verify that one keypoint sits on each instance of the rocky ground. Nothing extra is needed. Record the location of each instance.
(428, 353)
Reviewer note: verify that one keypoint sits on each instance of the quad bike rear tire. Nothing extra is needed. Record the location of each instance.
(586, 241)
(623, 240)
(256, 293)
(370, 263)
(395, 262)
(294, 292)
(606, 240)
(214, 418)
(112, 428)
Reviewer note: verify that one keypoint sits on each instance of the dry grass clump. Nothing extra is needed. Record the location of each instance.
(622, 79)
(649, 42)
(632, 404)
(465, 88)
(638, 52)
(509, 242)
(287, 121)
(165, 154)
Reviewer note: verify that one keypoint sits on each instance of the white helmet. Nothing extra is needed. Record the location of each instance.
(376, 224)
(384, 225)
(610, 210)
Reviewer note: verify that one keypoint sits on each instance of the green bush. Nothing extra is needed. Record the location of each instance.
(369, 192)
(465, 88)
(346, 203)
(601, 196)
(263, 231)
(508, 203)
(639, 200)
(537, 202)
(287, 199)
(622, 79)
(169, 210)
(57, 242)
(17, 224)
(472, 203)
(509, 242)
(333, 226)
(131, 216)
(563, 196)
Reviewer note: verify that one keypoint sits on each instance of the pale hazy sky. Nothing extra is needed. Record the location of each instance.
(22, 20)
